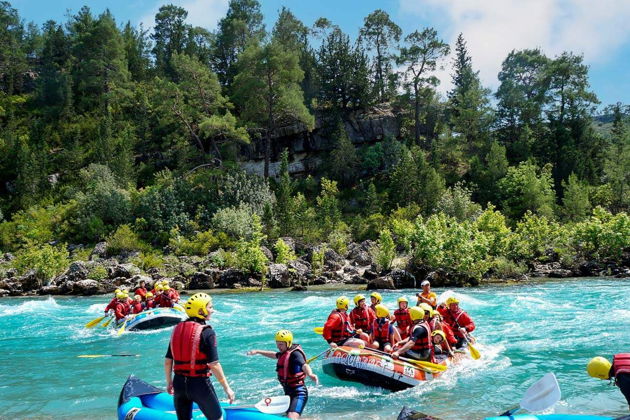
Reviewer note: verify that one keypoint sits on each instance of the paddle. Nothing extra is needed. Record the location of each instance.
(106, 323)
(317, 357)
(93, 322)
(92, 356)
(269, 405)
(422, 363)
(543, 394)
(474, 353)
(318, 330)
(122, 329)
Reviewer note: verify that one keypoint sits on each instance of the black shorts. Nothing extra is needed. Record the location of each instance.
(623, 382)
(299, 398)
(198, 389)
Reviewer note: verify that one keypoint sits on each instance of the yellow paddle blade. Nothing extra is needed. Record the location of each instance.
(474, 353)
(92, 356)
(179, 308)
(122, 329)
(318, 330)
(94, 321)
(106, 323)
(428, 365)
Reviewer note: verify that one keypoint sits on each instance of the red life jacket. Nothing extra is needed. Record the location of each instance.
(621, 363)
(121, 310)
(111, 304)
(424, 342)
(140, 291)
(342, 329)
(403, 320)
(150, 303)
(380, 330)
(361, 318)
(285, 376)
(188, 358)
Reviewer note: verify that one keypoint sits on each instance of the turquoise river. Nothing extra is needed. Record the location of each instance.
(523, 332)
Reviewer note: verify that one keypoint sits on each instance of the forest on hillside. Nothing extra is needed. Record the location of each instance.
(110, 132)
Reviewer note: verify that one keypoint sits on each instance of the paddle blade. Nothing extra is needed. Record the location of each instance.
(428, 365)
(106, 324)
(274, 405)
(474, 353)
(122, 329)
(318, 330)
(94, 321)
(543, 394)
(93, 356)
(317, 357)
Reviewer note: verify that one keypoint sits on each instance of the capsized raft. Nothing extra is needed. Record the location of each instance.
(155, 318)
(374, 368)
(142, 401)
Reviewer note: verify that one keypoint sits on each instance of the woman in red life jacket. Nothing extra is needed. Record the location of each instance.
(362, 317)
(159, 296)
(141, 290)
(292, 370)
(112, 303)
(137, 306)
(461, 323)
(403, 320)
(171, 294)
(601, 368)
(384, 336)
(419, 345)
(192, 355)
(149, 303)
(338, 328)
(436, 323)
(122, 308)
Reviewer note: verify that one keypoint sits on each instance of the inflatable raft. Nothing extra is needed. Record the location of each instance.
(374, 368)
(154, 319)
(551, 417)
(141, 401)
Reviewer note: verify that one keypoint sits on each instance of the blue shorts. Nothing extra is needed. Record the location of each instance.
(299, 397)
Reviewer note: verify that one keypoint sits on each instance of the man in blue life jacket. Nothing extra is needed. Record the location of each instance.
(292, 370)
(192, 355)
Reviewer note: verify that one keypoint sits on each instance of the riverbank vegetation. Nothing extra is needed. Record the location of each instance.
(113, 134)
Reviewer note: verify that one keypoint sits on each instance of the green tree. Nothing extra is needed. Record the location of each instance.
(284, 193)
(241, 25)
(420, 59)
(328, 208)
(169, 37)
(381, 35)
(343, 162)
(136, 42)
(268, 93)
(575, 202)
(527, 187)
(343, 73)
(617, 161)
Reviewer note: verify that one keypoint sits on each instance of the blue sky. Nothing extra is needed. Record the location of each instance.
(596, 28)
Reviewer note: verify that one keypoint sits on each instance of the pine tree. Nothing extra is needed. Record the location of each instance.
(575, 202)
(344, 162)
(284, 194)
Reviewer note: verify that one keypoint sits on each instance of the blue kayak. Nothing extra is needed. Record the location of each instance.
(142, 401)
(549, 417)
(155, 319)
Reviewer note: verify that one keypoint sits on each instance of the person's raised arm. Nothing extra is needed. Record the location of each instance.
(266, 353)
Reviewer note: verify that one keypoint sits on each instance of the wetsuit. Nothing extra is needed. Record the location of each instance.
(188, 388)
(294, 387)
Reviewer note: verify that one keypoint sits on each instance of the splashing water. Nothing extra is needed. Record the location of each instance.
(523, 332)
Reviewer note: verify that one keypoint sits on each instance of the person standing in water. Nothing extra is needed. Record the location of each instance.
(601, 368)
(192, 354)
(292, 370)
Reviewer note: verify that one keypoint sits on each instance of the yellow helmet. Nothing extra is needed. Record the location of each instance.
(357, 299)
(427, 308)
(381, 311)
(165, 286)
(117, 291)
(440, 333)
(343, 302)
(120, 295)
(377, 296)
(452, 299)
(126, 295)
(149, 295)
(434, 313)
(285, 336)
(599, 367)
(416, 313)
(159, 287)
(402, 299)
(195, 303)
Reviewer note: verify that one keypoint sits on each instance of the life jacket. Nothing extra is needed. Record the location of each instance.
(173, 296)
(361, 318)
(380, 330)
(150, 303)
(403, 320)
(342, 329)
(424, 342)
(140, 291)
(188, 358)
(137, 307)
(285, 376)
(121, 310)
(111, 304)
(621, 364)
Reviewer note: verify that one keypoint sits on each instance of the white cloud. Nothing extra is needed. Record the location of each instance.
(492, 28)
(204, 13)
